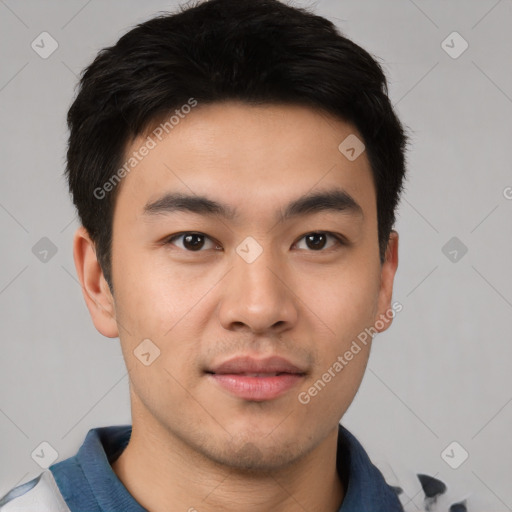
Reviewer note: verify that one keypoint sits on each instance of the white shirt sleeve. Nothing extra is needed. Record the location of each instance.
(45, 496)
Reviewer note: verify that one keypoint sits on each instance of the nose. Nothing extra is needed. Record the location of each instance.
(258, 296)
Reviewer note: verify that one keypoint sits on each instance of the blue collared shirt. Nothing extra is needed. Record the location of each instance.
(86, 481)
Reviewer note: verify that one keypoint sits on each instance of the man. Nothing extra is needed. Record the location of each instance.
(236, 168)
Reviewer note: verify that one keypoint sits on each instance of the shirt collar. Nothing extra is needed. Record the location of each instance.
(365, 487)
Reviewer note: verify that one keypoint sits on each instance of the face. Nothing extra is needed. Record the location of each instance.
(246, 232)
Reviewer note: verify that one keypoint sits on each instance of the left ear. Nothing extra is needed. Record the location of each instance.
(388, 271)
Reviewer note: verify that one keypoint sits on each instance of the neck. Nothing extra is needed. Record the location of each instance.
(160, 471)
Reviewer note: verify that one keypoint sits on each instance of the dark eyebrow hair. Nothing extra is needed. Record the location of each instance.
(336, 200)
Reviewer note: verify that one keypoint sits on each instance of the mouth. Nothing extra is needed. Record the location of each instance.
(256, 380)
(257, 387)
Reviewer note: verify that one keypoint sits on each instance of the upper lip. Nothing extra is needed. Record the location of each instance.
(247, 364)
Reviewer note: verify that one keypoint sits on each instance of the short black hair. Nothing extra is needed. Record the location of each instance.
(254, 51)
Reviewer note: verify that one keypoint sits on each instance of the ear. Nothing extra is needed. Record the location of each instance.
(95, 289)
(388, 270)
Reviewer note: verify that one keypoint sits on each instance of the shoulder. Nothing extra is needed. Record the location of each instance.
(41, 494)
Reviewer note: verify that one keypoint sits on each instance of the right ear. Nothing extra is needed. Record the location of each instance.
(95, 289)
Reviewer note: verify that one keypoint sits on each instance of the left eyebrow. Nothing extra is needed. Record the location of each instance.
(334, 200)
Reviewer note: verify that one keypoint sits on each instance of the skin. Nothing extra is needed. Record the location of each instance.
(194, 446)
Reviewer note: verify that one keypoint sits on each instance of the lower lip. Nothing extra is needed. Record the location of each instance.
(257, 388)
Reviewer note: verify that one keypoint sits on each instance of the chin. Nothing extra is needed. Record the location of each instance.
(255, 453)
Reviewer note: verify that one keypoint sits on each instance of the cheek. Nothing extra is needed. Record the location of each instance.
(154, 296)
(344, 306)
(344, 301)
(161, 302)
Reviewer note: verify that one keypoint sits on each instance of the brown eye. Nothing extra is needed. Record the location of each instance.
(317, 241)
(192, 242)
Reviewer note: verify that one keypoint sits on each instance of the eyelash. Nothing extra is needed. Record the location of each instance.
(340, 241)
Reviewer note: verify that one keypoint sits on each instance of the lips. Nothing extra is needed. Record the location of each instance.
(250, 366)
(256, 379)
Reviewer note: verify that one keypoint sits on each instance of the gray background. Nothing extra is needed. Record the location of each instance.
(440, 374)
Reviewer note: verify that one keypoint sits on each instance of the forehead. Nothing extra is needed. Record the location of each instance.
(253, 158)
